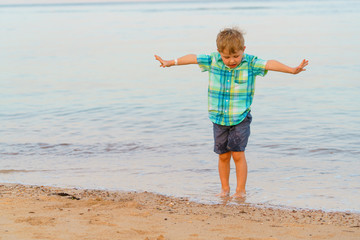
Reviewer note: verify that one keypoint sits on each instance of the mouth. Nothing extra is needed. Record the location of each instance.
(232, 66)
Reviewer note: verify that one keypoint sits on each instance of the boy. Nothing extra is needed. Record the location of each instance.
(231, 89)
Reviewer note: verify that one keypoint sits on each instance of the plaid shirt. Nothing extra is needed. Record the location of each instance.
(231, 91)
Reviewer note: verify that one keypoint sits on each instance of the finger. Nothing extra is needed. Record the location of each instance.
(158, 58)
(304, 62)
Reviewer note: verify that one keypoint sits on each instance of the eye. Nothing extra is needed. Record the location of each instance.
(236, 56)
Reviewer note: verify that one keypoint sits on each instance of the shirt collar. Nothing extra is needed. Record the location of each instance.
(219, 59)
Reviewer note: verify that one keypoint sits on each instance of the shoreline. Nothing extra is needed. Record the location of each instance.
(226, 201)
(42, 212)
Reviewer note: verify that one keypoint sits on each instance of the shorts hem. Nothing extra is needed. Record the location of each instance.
(222, 152)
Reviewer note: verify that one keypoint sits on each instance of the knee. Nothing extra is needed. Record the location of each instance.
(238, 156)
(225, 157)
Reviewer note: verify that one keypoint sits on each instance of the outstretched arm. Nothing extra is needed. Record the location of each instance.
(187, 59)
(274, 65)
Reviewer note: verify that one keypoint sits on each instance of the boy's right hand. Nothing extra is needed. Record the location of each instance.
(164, 63)
(301, 67)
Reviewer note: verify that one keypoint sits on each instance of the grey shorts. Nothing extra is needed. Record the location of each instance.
(232, 138)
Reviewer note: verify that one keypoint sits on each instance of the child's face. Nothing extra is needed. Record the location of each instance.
(232, 60)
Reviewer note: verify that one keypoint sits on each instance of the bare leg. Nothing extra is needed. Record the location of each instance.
(241, 173)
(224, 173)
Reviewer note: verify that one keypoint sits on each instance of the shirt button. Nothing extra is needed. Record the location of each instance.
(227, 100)
(227, 90)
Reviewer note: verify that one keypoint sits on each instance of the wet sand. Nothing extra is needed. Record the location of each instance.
(39, 212)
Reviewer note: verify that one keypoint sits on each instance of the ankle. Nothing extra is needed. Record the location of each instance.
(225, 192)
(241, 191)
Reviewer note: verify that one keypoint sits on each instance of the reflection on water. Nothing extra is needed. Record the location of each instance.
(84, 104)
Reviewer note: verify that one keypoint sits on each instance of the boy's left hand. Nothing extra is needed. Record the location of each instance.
(164, 63)
(300, 68)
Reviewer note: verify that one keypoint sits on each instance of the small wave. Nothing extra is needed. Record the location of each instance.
(10, 153)
(324, 150)
(291, 150)
(46, 146)
(73, 149)
(320, 151)
(129, 6)
(9, 171)
(269, 145)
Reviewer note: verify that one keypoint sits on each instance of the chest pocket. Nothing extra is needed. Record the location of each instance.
(241, 76)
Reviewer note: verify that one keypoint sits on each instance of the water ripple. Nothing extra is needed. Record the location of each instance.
(84, 150)
(10, 171)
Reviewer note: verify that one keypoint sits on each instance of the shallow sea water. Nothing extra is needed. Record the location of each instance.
(84, 103)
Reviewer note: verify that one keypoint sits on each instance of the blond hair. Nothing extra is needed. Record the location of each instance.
(230, 39)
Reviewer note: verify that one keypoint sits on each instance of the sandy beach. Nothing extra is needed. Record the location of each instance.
(39, 212)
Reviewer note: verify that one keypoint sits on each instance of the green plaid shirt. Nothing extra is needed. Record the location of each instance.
(231, 91)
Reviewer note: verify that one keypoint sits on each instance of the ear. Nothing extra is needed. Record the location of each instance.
(244, 48)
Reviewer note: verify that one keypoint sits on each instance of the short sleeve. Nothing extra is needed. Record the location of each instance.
(204, 62)
(258, 66)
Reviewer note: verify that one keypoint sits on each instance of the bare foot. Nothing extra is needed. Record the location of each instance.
(239, 195)
(224, 193)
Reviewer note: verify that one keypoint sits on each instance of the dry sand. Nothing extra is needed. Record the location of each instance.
(38, 212)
